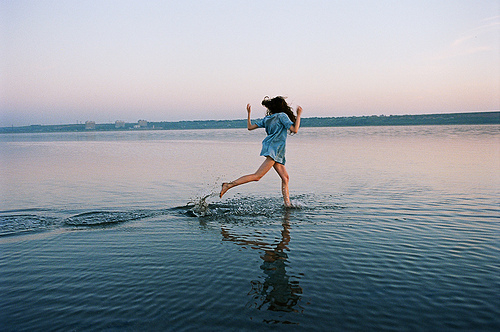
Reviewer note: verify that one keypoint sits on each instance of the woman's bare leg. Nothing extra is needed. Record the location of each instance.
(281, 170)
(263, 169)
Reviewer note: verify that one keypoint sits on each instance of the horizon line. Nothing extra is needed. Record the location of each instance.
(215, 120)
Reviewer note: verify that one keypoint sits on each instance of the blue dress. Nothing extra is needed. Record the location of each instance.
(274, 144)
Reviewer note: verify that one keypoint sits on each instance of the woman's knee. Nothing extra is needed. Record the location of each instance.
(284, 177)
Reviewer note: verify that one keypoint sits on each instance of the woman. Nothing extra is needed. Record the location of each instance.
(278, 120)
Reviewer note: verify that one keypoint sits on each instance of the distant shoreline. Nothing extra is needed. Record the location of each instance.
(472, 118)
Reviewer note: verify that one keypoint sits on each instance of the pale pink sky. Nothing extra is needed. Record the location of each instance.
(71, 61)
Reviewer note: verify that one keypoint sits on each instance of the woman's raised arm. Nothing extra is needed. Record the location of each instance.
(250, 126)
(295, 127)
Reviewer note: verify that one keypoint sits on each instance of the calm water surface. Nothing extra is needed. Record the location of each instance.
(395, 228)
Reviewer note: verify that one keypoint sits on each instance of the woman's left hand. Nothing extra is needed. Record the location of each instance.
(299, 110)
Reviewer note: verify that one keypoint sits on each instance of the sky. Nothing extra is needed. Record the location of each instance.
(74, 61)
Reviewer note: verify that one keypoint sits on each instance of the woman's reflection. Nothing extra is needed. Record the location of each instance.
(277, 292)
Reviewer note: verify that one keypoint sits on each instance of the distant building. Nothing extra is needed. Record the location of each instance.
(119, 124)
(89, 125)
(142, 124)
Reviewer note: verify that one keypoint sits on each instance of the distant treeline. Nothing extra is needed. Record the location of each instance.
(476, 118)
(406, 120)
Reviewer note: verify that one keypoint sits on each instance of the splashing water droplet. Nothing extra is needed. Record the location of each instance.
(200, 205)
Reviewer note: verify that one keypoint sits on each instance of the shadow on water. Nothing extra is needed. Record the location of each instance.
(277, 291)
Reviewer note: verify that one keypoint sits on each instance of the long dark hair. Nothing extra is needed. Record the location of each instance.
(278, 105)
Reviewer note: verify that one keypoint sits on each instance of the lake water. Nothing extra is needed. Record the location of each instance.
(395, 228)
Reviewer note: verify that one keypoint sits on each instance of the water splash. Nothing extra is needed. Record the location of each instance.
(246, 209)
(20, 223)
(199, 206)
(95, 218)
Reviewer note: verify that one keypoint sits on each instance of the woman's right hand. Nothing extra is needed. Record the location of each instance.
(249, 108)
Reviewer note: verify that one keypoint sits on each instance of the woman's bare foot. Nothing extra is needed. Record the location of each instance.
(225, 187)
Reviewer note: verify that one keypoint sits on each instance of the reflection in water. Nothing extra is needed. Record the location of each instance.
(277, 292)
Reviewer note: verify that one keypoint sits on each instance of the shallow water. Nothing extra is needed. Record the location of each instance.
(394, 228)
